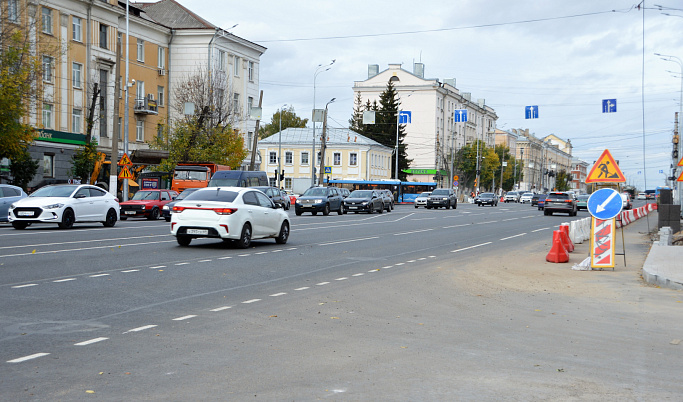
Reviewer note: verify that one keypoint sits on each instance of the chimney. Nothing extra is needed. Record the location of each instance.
(449, 81)
(467, 96)
(481, 102)
(419, 69)
(373, 70)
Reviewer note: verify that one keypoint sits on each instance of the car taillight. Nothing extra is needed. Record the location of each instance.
(567, 200)
(225, 211)
(177, 210)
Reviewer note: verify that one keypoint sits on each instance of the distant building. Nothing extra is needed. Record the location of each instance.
(579, 173)
(542, 159)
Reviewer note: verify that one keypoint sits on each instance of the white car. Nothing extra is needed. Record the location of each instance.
(65, 204)
(526, 197)
(229, 213)
(642, 196)
(421, 200)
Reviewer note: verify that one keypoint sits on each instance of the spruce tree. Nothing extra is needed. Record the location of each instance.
(386, 120)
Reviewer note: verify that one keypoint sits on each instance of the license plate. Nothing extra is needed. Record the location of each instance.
(129, 212)
(198, 231)
(353, 207)
(25, 213)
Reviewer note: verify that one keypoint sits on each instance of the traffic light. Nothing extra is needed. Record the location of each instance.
(282, 175)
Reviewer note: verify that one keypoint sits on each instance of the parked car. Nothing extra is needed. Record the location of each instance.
(167, 209)
(287, 200)
(512, 196)
(535, 198)
(319, 199)
(558, 201)
(344, 192)
(229, 213)
(442, 197)
(582, 201)
(364, 201)
(387, 199)
(274, 194)
(65, 204)
(526, 197)
(421, 200)
(626, 201)
(642, 196)
(486, 199)
(147, 204)
(8, 195)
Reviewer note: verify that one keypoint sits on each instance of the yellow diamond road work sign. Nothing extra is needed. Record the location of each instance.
(125, 173)
(605, 170)
(125, 161)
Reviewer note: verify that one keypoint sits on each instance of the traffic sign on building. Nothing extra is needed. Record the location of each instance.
(605, 170)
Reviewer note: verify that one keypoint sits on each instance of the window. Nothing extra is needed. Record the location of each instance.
(47, 115)
(76, 73)
(288, 182)
(77, 121)
(353, 159)
(250, 71)
(160, 96)
(235, 103)
(141, 50)
(289, 157)
(48, 165)
(222, 57)
(140, 90)
(12, 11)
(272, 157)
(337, 159)
(304, 158)
(139, 130)
(250, 140)
(161, 58)
(250, 104)
(103, 36)
(237, 66)
(160, 131)
(47, 20)
(47, 68)
(77, 29)
(272, 181)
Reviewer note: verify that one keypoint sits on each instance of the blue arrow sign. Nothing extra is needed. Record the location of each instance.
(531, 112)
(609, 106)
(604, 204)
(460, 115)
(404, 117)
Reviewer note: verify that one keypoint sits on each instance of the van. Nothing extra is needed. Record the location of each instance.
(238, 178)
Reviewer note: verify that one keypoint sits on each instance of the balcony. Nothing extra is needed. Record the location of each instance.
(145, 106)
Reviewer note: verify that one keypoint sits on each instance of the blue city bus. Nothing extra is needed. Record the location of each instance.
(404, 191)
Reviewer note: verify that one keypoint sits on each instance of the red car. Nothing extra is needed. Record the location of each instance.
(147, 203)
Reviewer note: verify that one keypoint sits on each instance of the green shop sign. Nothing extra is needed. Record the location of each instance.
(60, 136)
(425, 171)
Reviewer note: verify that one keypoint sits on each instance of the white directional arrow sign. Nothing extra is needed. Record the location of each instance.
(602, 205)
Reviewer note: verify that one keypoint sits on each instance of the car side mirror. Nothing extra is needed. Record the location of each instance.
(79, 196)
(173, 198)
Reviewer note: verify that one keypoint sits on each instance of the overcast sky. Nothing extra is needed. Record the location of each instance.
(564, 56)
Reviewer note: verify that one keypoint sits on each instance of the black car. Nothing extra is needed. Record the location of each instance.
(486, 199)
(274, 194)
(344, 192)
(535, 198)
(560, 202)
(319, 199)
(442, 197)
(167, 209)
(364, 201)
(387, 199)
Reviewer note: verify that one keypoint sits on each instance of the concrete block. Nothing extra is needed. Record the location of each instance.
(665, 197)
(675, 225)
(668, 212)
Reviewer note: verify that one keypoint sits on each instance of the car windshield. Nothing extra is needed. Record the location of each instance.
(528, 195)
(486, 195)
(583, 197)
(224, 183)
(211, 194)
(361, 194)
(315, 192)
(145, 195)
(440, 192)
(190, 175)
(559, 196)
(425, 194)
(55, 191)
(185, 193)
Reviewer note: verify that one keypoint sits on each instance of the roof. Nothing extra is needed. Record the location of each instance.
(335, 136)
(171, 14)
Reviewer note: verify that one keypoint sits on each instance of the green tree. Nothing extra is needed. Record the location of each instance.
(509, 179)
(385, 123)
(22, 169)
(563, 180)
(83, 161)
(289, 119)
(356, 120)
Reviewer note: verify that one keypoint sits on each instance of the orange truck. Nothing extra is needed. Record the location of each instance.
(194, 174)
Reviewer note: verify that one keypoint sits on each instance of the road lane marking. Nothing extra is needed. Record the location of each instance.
(348, 241)
(456, 226)
(112, 246)
(80, 241)
(138, 329)
(510, 237)
(341, 279)
(322, 283)
(278, 294)
(158, 267)
(182, 263)
(511, 219)
(538, 230)
(410, 261)
(414, 231)
(65, 280)
(24, 286)
(374, 270)
(98, 275)
(221, 308)
(224, 258)
(410, 214)
(470, 247)
(91, 341)
(261, 252)
(421, 259)
(360, 274)
(303, 288)
(387, 267)
(244, 255)
(29, 357)
(399, 264)
(250, 301)
(204, 260)
(185, 317)
(130, 270)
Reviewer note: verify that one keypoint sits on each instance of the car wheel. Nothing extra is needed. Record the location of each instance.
(183, 241)
(19, 225)
(314, 213)
(428, 207)
(547, 213)
(68, 219)
(154, 215)
(297, 213)
(415, 206)
(284, 233)
(123, 218)
(448, 205)
(168, 219)
(111, 219)
(326, 211)
(381, 209)
(341, 209)
(245, 237)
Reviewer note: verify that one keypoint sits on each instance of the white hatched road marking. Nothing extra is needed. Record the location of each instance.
(185, 317)
(29, 357)
(138, 329)
(91, 341)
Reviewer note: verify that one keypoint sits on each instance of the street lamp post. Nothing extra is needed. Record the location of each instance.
(680, 145)
(320, 69)
(323, 144)
(279, 150)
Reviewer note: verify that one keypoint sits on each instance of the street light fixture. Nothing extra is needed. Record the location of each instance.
(320, 69)
(279, 150)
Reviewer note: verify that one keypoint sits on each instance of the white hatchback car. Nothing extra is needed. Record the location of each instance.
(421, 200)
(65, 204)
(229, 213)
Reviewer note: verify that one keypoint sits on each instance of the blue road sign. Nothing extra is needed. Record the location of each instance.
(531, 112)
(404, 117)
(455, 183)
(328, 169)
(609, 106)
(604, 204)
(460, 115)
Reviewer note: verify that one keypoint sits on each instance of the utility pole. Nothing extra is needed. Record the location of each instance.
(114, 167)
(255, 140)
(323, 145)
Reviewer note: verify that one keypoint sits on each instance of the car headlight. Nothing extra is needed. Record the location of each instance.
(53, 206)
(11, 207)
(365, 203)
(144, 207)
(165, 208)
(318, 201)
(297, 201)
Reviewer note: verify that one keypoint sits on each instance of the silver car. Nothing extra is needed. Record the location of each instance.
(421, 200)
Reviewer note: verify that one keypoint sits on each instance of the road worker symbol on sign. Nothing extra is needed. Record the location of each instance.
(605, 170)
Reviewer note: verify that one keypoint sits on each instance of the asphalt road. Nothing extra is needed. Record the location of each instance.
(361, 307)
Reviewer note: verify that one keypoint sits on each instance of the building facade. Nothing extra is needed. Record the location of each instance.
(579, 174)
(541, 160)
(432, 134)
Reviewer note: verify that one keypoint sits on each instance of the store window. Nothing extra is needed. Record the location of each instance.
(48, 165)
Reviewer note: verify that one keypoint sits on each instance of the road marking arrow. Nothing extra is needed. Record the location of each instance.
(602, 206)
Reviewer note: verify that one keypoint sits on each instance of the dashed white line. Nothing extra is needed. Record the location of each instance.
(348, 241)
(65, 280)
(342, 279)
(221, 308)
(421, 259)
(538, 230)
(456, 226)
(414, 231)
(261, 252)
(374, 270)
(292, 248)
(303, 288)
(399, 264)
(361, 274)
(467, 248)
(24, 286)
(410, 261)
(182, 263)
(98, 275)
(276, 251)
(224, 258)
(510, 237)
(387, 267)
(204, 260)
(29, 357)
(278, 294)
(250, 301)
(511, 219)
(185, 317)
(131, 270)
(244, 255)
(138, 329)
(432, 256)
(91, 341)
(322, 283)
(158, 266)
